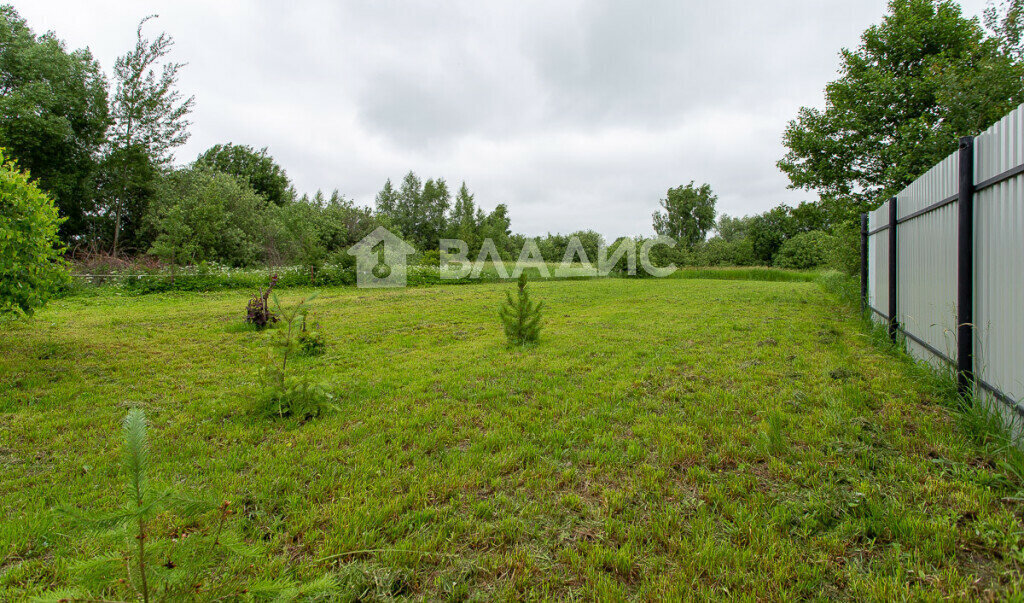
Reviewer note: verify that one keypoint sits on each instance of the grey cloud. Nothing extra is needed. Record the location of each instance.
(577, 114)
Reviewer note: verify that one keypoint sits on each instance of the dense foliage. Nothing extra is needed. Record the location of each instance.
(687, 213)
(200, 216)
(920, 79)
(53, 117)
(256, 168)
(806, 250)
(31, 265)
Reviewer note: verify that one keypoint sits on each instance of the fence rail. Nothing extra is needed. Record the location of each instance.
(943, 263)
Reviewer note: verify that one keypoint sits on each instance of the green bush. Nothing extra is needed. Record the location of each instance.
(311, 339)
(719, 252)
(430, 257)
(663, 255)
(32, 268)
(286, 393)
(845, 255)
(806, 250)
(207, 216)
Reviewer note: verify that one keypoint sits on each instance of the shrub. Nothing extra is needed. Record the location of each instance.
(845, 255)
(662, 255)
(199, 215)
(311, 339)
(31, 266)
(284, 394)
(805, 251)
(719, 252)
(431, 258)
(520, 316)
(292, 396)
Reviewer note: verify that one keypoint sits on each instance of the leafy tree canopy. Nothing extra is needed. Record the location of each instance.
(1006, 21)
(731, 228)
(53, 116)
(150, 119)
(201, 215)
(688, 213)
(256, 168)
(920, 79)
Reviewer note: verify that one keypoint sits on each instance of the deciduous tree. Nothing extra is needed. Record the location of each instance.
(920, 79)
(464, 223)
(256, 168)
(31, 264)
(53, 117)
(150, 118)
(688, 213)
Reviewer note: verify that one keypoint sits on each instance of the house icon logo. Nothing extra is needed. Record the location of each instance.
(380, 259)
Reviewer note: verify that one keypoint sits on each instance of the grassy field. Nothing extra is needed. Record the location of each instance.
(668, 438)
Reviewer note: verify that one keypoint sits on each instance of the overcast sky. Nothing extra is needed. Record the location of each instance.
(575, 114)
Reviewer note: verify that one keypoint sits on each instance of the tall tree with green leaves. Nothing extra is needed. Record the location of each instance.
(409, 205)
(497, 226)
(1006, 21)
(687, 213)
(435, 200)
(387, 201)
(150, 119)
(201, 215)
(256, 168)
(732, 229)
(464, 224)
(53, 117)
(920, 79)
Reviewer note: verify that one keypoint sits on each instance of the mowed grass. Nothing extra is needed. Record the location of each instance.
(666, 439)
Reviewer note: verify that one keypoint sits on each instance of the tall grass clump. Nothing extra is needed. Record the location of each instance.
(746, 274)
(774, 435)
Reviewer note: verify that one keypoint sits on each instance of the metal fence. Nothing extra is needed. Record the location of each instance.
(943, 263)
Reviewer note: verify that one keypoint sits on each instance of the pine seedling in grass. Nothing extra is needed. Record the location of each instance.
(521, 316)
(284, 394)
(143, 502)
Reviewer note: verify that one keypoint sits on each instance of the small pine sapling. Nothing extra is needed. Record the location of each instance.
(144, 503)
(285, 395)
(521, 316)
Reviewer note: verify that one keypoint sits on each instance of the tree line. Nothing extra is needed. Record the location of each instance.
(104, 152)
(921, 78)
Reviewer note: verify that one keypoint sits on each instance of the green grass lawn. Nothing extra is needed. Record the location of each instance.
(668, 438)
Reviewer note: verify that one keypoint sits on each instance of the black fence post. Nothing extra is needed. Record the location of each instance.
(863, 263)
(965, 270)
(894, 324)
